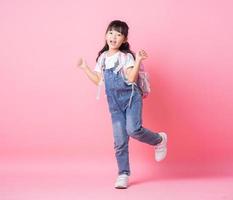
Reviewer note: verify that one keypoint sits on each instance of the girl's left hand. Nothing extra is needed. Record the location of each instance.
(141, 55)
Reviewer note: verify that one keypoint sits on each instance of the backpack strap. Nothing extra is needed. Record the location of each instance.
(122, 62)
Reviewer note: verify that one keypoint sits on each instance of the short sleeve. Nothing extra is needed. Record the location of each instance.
(129, 60)
(98, 66)
(99, 63)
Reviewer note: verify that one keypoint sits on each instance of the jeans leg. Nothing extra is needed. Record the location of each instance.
(121, 140)
(134, 123)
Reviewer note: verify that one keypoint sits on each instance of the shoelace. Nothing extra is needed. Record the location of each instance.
(160, 147)
(122, 178)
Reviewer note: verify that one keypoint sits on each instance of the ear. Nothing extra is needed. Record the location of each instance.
(125, 40)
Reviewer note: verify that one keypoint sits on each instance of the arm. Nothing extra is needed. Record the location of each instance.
(95, 77)
(132, 72)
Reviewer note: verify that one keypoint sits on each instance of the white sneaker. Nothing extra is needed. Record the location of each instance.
(122, 181)
(161, 148)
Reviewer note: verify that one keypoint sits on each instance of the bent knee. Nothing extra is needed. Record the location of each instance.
(133, 130)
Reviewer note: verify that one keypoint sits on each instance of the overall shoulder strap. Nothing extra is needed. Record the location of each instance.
(121, 61)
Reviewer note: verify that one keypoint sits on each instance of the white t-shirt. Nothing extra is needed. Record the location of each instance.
(110, 61)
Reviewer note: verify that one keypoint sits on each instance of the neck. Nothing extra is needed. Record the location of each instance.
(112, 51)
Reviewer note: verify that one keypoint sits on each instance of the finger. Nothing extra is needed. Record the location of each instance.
(80, 61)
(144, 53)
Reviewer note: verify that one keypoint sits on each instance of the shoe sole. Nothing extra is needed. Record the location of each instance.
(120, 187)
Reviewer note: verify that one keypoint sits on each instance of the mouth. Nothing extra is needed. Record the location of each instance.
(112, 42)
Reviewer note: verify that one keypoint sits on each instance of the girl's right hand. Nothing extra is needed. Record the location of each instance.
(82, 63)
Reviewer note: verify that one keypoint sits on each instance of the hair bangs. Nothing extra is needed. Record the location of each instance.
(119, 27)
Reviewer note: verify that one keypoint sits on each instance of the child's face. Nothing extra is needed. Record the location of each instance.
(114, 39)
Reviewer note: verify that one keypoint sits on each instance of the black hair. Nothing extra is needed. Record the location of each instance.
(123, 28)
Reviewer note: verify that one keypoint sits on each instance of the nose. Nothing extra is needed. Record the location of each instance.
(114, 36)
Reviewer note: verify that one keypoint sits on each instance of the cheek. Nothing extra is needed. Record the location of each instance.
(121, 41)
(107, 37)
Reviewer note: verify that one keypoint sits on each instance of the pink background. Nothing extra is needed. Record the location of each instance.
(48, 108)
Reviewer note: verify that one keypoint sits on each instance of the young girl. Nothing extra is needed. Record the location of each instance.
(124, 97)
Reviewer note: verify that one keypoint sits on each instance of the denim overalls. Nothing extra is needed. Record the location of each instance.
(125, 106)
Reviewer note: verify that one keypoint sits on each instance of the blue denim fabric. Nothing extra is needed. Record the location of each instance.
(126, 118)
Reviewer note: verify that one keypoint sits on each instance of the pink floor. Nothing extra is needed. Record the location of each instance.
(56, 179)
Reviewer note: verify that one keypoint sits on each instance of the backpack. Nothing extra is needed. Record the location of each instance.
(143, 77)
(143, 82)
